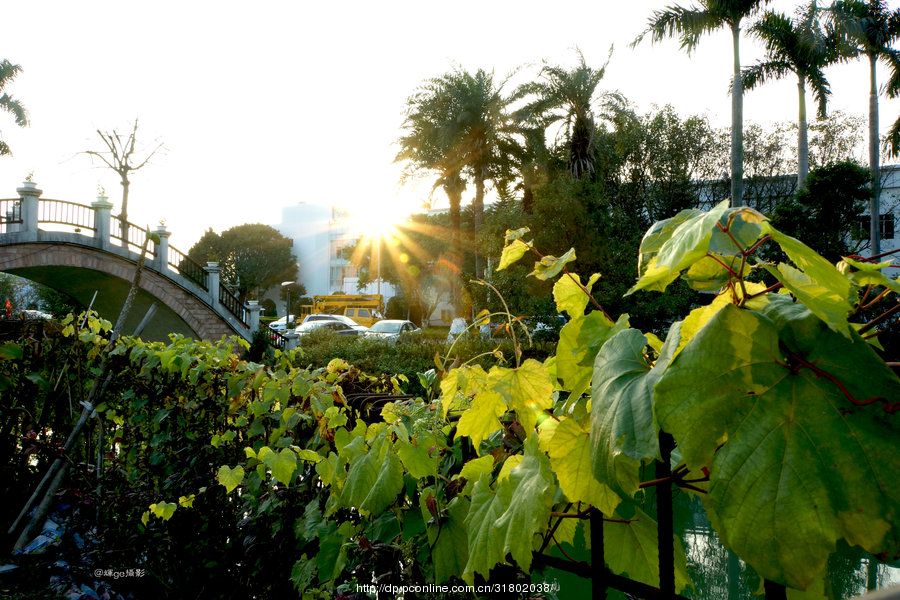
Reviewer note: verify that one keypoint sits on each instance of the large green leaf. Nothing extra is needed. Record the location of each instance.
(230, 478)
(570, 457)
(283, 464)
(374, 479)
(529, 507)
(450, 551)
(506, 521)
(622, 429)
(815, 282)
(550, 266)
(636, 554)
(512, 252)
(686, 244)
(416, 458)
(485, 547)
(482, 418)
(800, 465)
(526, 389)
(579, 341)
(659, 233)
(570, 296)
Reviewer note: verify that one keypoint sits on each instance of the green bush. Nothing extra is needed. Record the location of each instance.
(414, 354)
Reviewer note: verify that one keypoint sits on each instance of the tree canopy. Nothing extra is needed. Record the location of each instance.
(252, 257)
(8, 72)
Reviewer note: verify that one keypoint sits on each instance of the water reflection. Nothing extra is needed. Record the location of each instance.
(718, 574)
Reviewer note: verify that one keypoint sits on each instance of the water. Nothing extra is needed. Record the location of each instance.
(718, 574)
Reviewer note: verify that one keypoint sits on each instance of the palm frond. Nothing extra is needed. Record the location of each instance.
(891, 142)
(686, 24)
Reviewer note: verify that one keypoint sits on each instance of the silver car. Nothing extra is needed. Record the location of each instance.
(391, 329)
(341, 318)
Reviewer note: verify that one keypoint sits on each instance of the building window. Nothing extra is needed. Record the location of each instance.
(886, 226)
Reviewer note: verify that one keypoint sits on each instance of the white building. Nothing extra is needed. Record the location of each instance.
(320, 234)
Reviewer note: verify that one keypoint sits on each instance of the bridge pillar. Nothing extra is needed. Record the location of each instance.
(213, 269)
(29, 195)
(291, 340)
(162, 249)
(253, 316)
(102, 208)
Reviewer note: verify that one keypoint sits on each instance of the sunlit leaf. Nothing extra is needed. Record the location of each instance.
(550, 266)
(230, 478)
(512, 252)
(569, 295)
(796, 471)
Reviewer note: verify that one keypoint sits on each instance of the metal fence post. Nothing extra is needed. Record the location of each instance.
(664, 517)
(598, 558)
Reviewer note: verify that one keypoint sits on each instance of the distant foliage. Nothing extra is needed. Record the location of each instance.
(251, 256)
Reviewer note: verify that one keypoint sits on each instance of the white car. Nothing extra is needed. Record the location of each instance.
(327, 317)
(337, 327)
(391, 329)
(280, 325)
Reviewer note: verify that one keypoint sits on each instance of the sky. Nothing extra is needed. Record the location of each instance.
(263, 105)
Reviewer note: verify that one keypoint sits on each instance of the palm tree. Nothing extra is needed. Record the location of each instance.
(799, 47)
(691, 23)
(427, 147)
(570, 96)
(872, 29)
(455, 126)
(8, 72)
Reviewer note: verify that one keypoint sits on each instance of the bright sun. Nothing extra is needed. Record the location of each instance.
(375, 223)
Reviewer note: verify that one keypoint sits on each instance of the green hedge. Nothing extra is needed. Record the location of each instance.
(414, 354)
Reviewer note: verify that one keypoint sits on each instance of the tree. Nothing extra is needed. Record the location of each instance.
(872, 29)
(455, 125)
(825, 214)
(795, 46)
(8, 72)
(120, 157)
(570, 96)
(252, 257)
(689, 24)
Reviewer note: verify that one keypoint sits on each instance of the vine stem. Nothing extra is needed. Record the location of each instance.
(888, 407)
(566, 272)
(882, 317)
(877, 298)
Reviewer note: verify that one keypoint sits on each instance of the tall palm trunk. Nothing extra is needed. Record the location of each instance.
(874, 208)
(802, 136)
(737, 122)
(478, 217)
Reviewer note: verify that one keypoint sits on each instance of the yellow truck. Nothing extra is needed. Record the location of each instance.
(365, 309)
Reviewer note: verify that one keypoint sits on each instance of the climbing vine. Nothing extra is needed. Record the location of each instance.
(782, 413)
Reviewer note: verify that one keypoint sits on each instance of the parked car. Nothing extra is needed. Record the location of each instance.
(330, 324)
(280, 325)
(392, 329)
(341, 318)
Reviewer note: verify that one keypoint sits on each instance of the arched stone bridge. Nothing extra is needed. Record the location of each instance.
(80, 250)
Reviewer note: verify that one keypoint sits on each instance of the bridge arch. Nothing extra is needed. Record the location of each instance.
(84, 251)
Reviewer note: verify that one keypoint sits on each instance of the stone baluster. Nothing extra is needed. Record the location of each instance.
(162, 249)
(253, 316)
(28, 196)
(291, 340)
(213, 269)
(102, 209)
